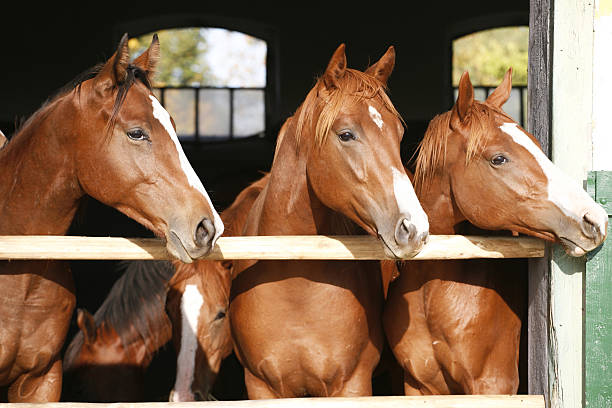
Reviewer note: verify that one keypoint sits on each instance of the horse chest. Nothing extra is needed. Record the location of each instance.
(308, 328)
(34, 317)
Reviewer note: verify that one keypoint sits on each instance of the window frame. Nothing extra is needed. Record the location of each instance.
(522, 89)
(138, 27)
(471, 26)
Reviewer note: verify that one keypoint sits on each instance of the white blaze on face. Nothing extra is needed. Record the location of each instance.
(572, 200)
(407, 201)
(376, 117)
(191, 302)
(163, 116)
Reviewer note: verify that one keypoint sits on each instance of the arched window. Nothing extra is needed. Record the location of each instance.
(487, 55)
(213, 81)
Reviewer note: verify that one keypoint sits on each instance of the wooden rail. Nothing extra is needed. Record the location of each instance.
(266, 247)
(440, 401)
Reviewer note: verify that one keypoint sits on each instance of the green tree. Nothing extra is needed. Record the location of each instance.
(181, 56)
(488, 54)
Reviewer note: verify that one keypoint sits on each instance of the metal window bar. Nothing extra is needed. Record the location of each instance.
(196, 89)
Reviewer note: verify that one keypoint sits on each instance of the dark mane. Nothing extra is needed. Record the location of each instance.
(136, 304)
(134, 73)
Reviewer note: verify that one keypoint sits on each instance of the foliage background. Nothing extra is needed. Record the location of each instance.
(488, 54)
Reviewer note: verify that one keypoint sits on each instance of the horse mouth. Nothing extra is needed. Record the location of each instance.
(571, 248)
(388, 250)
(177, 249)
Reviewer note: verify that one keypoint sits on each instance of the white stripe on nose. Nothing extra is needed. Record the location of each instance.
(407, 201)
(191, 302)
(163, 117)
(562, 191)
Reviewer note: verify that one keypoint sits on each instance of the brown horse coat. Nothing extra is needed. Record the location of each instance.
(106, 136)
(201, 335)
(312, 328)
(454, 326)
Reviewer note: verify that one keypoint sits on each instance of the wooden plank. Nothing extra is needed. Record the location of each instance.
(539, 72)
(266, 247)
(539, 119)
(598, 307)
(439, 401)
(602, 85)
(572, 152)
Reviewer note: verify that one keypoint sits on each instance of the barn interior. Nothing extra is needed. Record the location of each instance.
(46, 45)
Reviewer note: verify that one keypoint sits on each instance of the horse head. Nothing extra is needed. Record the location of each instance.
(499, 177)
(129, 155)
(351, 134)
(198, 305)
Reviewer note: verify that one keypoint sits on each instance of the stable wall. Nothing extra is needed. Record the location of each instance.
(45, 46)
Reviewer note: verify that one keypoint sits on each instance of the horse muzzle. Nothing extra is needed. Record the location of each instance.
(591, 231)
(198, 242)
(408, 238)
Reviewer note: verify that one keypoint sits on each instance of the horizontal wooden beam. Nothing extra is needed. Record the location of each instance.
(438, 401)
(311, 247)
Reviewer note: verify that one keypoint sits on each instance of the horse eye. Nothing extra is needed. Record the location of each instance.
(499, 160)
(220, 315)
(137, 134)
(345, 136)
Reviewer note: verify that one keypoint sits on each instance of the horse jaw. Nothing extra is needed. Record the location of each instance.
(578, 222)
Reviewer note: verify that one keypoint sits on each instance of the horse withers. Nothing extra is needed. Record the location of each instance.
(455, 326)
(312, 328)
(107, 136)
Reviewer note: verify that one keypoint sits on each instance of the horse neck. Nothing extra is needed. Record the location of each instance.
(437, 200)
(39, 191)
(289, 206)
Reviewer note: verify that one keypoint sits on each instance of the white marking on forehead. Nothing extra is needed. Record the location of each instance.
(407, 201)
(163, 117)
(561, 190)
(376, 117)
(191, 302)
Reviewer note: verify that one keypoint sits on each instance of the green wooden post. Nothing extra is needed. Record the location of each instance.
(598, 305)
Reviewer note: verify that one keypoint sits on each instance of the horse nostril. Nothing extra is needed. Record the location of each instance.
(591, 226)
(405, 232)
(205, 231)
(424, 237)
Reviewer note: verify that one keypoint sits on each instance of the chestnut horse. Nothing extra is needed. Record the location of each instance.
(454, 326)
(106, 360)
(198, 305)
(150, 304)
(312, 328)
(106, 136)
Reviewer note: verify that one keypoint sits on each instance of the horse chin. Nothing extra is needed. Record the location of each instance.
(571, 248)
(175, 247)
(393, 252)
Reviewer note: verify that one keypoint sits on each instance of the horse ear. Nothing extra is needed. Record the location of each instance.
(148, 60)
(501, 94)
(382, 69)
(336, 68)
(86, 323)
(116, 66)
(465, 99)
